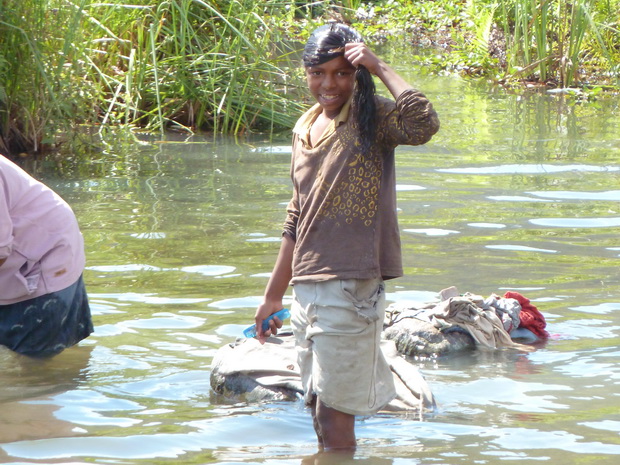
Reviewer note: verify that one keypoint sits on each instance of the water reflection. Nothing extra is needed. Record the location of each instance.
(30, 389)
(529, 169)
(343, 458)
(24, 377)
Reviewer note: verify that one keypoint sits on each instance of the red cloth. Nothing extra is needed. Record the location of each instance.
(530, 317)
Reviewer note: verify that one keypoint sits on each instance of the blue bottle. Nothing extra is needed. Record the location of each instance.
(283, 314)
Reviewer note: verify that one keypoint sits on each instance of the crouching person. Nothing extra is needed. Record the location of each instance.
(43, 303)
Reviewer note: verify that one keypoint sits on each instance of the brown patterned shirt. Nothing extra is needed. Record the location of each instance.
(343, 212)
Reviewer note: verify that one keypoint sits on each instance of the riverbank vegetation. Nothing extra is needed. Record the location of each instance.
(556, 43)
(69, 68)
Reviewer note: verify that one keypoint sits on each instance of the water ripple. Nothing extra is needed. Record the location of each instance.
(613, 196)
(577, 222)
(528, 169)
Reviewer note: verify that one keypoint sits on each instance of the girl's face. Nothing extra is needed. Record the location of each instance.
(331, 84)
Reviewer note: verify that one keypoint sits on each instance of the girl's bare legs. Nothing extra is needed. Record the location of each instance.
(335, 430)
(315, 422)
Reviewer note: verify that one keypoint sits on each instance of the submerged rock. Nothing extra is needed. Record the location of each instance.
(419, 338)
(455, 323)
(452, 324)
(253, 372)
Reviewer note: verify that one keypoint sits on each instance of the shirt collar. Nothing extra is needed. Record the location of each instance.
(302, 128)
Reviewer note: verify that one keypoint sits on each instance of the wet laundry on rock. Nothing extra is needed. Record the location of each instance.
(484, 326)
(454, 322)
(530, 317)
(492, 322)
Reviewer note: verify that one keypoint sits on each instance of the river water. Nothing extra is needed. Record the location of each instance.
(516, 192)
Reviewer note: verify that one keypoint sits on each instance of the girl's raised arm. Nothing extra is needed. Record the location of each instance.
(359, 54)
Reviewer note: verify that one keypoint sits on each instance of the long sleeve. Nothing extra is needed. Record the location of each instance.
(413, 120)
(292, 212)
(342, 215)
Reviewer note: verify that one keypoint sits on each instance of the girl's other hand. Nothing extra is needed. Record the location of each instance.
(265, 310)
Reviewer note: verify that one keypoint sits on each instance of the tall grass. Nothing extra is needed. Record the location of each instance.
(212, 65)
(223, 65)
(548, 38)
(560, 42)
(33, 78)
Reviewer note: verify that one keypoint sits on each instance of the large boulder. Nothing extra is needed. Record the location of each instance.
(248, 370)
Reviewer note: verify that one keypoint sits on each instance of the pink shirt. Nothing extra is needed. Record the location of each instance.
(39, 238)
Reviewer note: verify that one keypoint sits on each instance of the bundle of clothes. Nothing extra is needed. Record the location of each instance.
(492, 322)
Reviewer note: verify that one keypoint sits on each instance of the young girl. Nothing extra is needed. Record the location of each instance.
(43, 304)
(341, 236)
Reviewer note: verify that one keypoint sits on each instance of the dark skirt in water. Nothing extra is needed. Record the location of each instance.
(46, 325)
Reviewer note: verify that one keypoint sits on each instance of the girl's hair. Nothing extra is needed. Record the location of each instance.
(326, 43)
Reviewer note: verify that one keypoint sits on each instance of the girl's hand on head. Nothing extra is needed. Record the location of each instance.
(358, 54)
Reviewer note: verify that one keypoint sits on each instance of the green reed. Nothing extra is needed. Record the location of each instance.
(208, 65)
(549, 38)
(28, 91)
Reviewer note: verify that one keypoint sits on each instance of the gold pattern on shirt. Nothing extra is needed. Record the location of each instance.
(355, 197)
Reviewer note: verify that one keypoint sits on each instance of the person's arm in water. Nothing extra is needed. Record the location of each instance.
(359, 54)
(275, 290)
